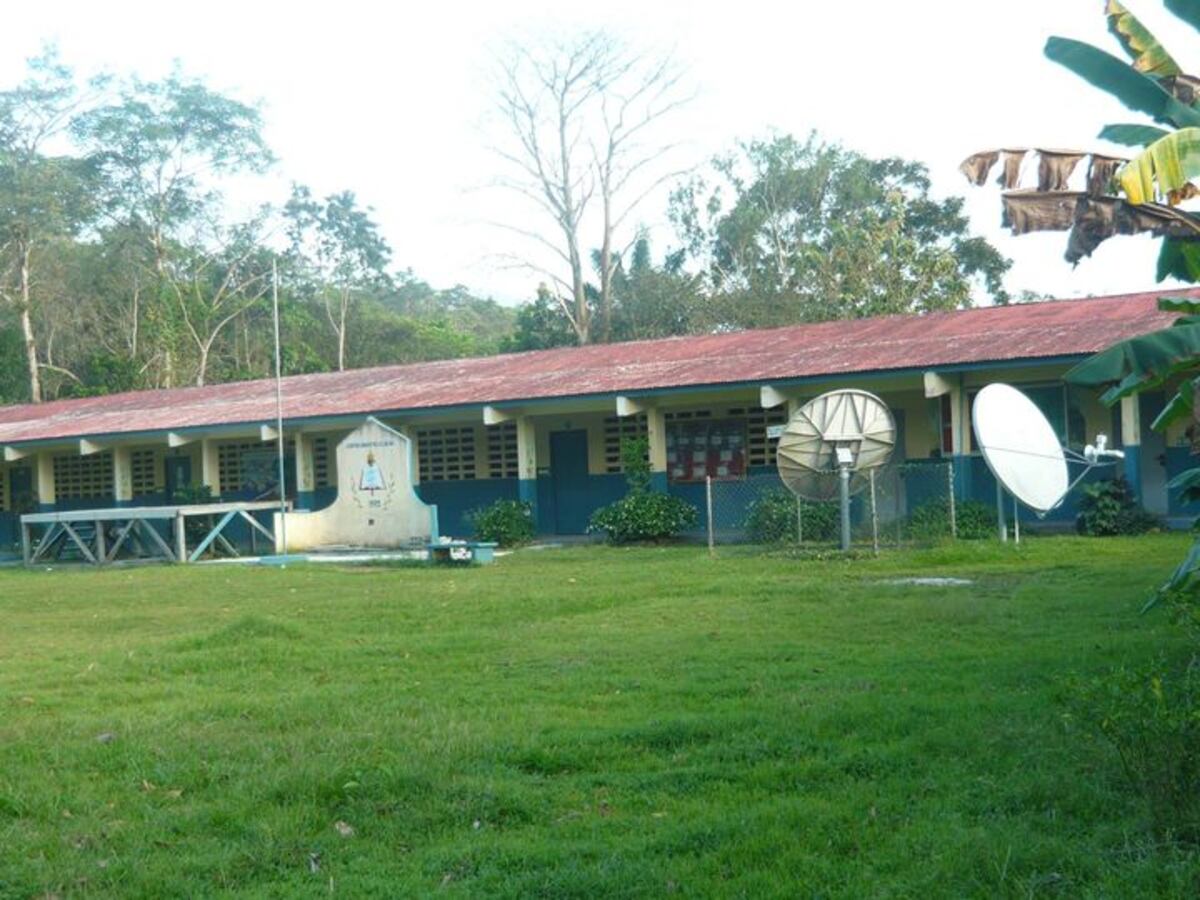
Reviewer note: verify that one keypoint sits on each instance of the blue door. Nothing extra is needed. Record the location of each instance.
(569, 476)
(21, 500)
(179, 475)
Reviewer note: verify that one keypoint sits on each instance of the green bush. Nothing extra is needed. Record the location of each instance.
(1110, 508)
(507, 522)
(642, 514)
(771, 519)
(973, 520)
(1151, 717)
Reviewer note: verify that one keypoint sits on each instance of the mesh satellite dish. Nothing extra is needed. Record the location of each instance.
(1023, 451)
(831, 443)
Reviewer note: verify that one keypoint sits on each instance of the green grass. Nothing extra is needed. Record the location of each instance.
(578, 723)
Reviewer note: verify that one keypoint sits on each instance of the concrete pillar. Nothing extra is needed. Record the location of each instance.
(122, 476)
(656, 432)
(414, 453)
(1131, 442)
(960, 425)
(527, 464)
(305, 481)
(210, 473)
(43, 482)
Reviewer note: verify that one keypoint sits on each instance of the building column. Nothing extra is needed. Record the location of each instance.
(656, 433)
(43, 478)
(122, 476)
(960, 424)
(210, 472)
(305, 482)
(527, 464)
(1131, 443)
(414, 454)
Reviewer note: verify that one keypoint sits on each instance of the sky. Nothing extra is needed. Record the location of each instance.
(393, 100)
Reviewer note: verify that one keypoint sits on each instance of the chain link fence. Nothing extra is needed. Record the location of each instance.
(901, 505)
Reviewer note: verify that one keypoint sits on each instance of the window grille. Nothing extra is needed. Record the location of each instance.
(760, 449)
(617, 429)
(83, 477)
(503, 461)
(322, 463)
(250, 465)
(446, 454)
(143, 472)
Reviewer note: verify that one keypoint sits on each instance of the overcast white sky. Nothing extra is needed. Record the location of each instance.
(390, 100)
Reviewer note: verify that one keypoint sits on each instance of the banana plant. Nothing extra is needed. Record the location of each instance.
(1142, 193)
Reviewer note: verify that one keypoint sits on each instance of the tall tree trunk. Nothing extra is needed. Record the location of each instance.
(606, 271)
(26, 315)
(341, 331)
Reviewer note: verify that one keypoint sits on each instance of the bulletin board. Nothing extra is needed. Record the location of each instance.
(709, 448)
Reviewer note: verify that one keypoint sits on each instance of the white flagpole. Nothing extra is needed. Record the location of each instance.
(279, 408)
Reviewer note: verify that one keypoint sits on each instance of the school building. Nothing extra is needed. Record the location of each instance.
(546, 426)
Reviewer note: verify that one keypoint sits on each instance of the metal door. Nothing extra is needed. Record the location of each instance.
(178, 475)
(569, 475)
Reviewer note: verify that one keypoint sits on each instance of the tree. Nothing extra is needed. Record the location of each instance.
(786, 231)
(579, 116)
(337, 252)
(657, 301)
(1127, 196)
(42, 197)
(162, 148)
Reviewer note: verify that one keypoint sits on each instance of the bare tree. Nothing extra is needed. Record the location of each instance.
(213, 287)
(577, 114)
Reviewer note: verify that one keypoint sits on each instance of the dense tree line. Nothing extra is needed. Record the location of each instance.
(125, 264)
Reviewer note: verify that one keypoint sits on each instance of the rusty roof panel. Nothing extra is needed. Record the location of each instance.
(993, 334)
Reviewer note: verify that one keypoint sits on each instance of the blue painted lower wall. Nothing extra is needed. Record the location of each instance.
(456, 499)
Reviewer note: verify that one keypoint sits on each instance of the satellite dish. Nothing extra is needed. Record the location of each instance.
(831, 443)
(857, 423)
(1020, 447)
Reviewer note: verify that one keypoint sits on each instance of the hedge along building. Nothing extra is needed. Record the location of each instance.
(546, 426)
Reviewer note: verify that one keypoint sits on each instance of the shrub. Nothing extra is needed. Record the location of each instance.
(642, 514)
(507, 522)
(1110, 508)
(973, 520)
(771, 519)
(1151, 717)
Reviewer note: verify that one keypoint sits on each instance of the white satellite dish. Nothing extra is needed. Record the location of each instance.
(1021, 448)
(830, 444)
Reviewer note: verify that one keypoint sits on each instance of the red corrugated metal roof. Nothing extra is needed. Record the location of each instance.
(1029, 331)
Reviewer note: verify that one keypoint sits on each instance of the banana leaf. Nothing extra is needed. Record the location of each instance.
(1180, 577)
(1188, 10)
(1188, 485)
(1147, 53)
(1163, 169)
(1179, 258)
(1091, 219)
(1185, 306)
(1139, 363)
(1132, 135)
(1179, 407)
(1138, 92)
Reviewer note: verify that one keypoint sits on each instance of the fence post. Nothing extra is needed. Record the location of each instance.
(953, 512)
(799, 521)
(709, 505)
(874, 515)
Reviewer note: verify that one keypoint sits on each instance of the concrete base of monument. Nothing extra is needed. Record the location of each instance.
(376, 505)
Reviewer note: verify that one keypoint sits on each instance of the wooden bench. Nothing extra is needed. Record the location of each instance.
(461, 552)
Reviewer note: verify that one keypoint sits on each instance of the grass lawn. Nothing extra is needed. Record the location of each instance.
(578, 723)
